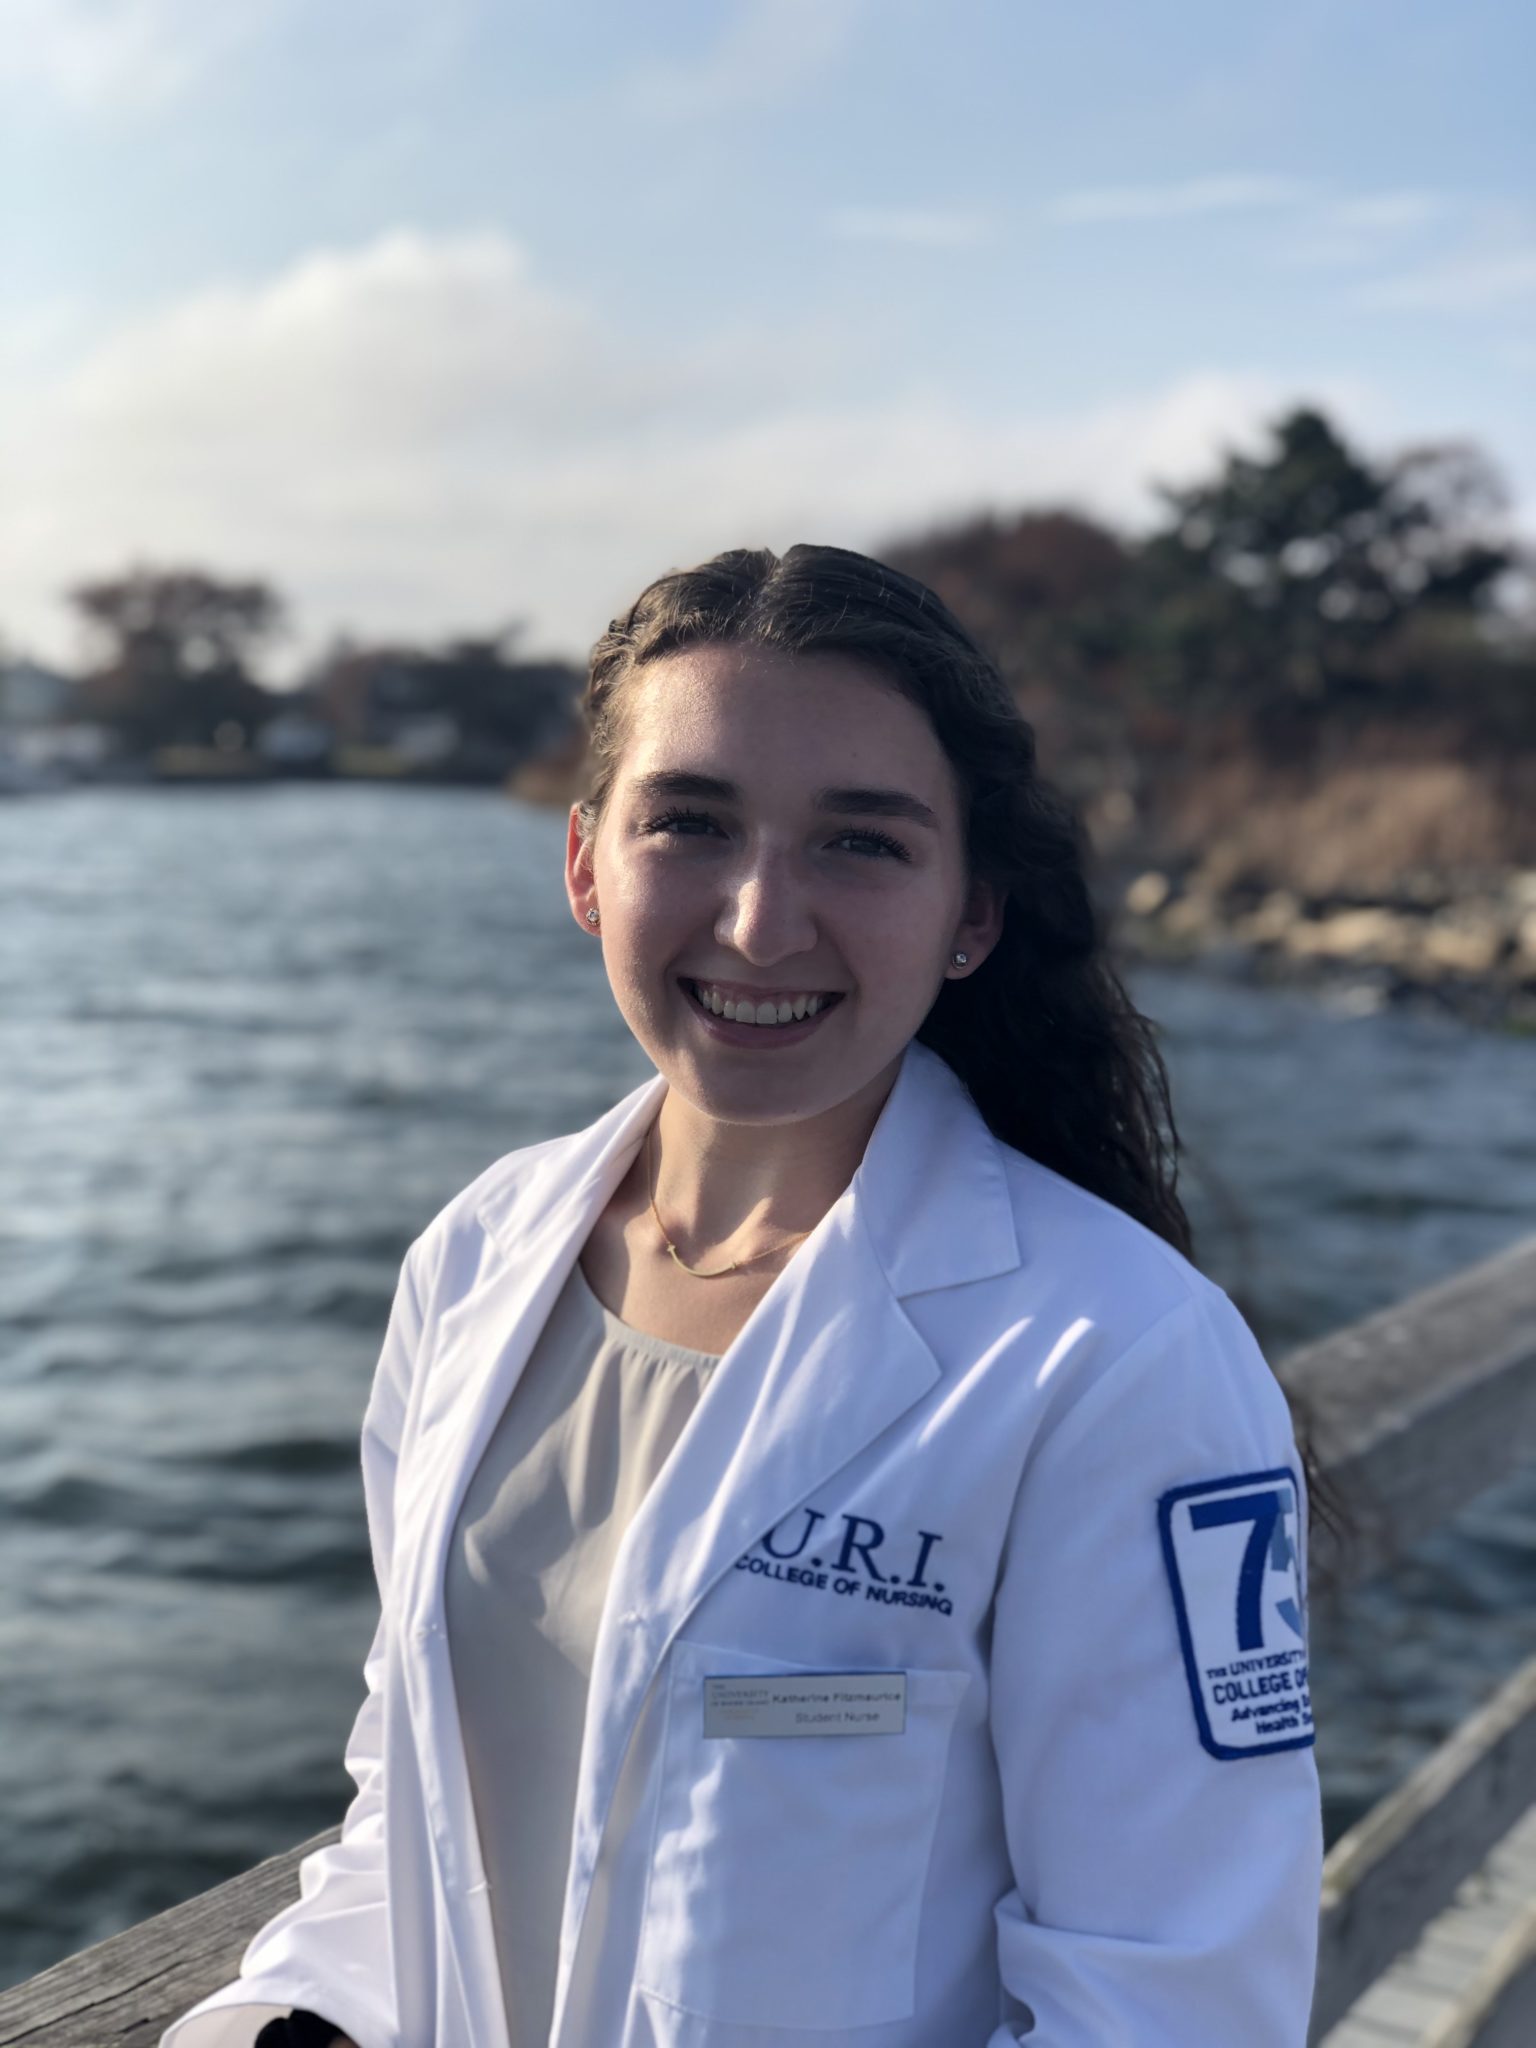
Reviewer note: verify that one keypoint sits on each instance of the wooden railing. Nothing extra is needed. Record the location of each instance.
(1415, 1411)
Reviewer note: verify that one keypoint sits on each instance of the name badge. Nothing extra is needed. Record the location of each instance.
(807, 1703)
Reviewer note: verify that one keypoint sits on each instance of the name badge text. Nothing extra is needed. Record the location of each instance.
(807, 1703)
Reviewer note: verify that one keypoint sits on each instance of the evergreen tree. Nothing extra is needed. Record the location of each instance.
(1287, 580)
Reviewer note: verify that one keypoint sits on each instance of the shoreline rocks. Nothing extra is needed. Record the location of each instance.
(1468, 948)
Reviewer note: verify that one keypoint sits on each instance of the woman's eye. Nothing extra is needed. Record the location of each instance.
(673, 824)
(880, 840)
(671, 818)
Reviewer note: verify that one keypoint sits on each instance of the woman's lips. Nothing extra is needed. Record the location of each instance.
(763, 1036)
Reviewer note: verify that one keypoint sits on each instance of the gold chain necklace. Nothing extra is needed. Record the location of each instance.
(698, 1272)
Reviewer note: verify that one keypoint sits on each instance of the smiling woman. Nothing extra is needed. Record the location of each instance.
(773, 884)
(827, 1527)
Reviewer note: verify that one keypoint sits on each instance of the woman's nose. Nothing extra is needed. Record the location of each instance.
(767, 913)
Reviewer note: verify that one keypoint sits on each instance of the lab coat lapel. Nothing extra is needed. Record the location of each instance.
(535, 1223)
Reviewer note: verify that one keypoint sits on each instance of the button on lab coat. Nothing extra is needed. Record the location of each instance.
(937, 1448)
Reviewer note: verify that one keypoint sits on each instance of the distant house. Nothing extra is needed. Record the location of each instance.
(31, 695)
(465, 713)
(45, 740)
(369, 698)
(296, 742)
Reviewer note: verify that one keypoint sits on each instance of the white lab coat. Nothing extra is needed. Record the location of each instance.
(938, 1447)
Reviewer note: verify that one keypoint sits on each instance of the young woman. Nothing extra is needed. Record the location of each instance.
(841, 1564)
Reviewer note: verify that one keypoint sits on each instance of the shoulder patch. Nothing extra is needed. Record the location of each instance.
(1234, 1556)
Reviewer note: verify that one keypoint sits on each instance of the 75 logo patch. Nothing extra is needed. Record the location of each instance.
(1233, 1549)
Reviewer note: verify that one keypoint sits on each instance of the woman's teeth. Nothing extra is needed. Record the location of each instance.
(744, 1011)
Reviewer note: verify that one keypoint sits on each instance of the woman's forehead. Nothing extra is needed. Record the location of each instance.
(769, 710)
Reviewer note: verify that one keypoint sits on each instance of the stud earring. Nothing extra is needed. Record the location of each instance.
(959, 958)
(591, 917)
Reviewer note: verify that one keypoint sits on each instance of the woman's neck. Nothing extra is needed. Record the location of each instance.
(752, 1185)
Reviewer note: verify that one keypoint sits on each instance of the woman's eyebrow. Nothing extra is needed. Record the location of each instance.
(864, 803)
(877, 803)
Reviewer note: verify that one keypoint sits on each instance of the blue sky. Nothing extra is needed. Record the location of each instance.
(447, 315)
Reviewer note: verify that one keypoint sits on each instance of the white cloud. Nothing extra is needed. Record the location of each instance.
(766, 52)
(1388, 212)
(1469, 283)
(1236, 194)
(914, 226)
(419, 436)
(118, 56)
(1344, 234)
(42, 333)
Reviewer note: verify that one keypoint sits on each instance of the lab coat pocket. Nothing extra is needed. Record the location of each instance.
(787, 1873)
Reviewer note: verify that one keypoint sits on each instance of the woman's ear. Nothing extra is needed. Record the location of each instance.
(981, 924)
(580, 876)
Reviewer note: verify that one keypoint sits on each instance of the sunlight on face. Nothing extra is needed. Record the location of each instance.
(789, 825)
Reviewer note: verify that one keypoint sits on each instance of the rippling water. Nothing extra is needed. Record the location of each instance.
(250, 1041)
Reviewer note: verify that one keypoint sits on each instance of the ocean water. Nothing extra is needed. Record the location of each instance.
(250, 1041)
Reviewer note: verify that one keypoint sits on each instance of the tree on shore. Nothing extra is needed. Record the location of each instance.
(175, 653)
(1049, 594)
(1299, 591)
(1289, 583)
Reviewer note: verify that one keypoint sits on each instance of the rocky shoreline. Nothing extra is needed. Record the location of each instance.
(1467, 948)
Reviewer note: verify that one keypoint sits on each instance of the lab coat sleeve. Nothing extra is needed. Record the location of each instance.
(329, 1950)
(1164, 1897)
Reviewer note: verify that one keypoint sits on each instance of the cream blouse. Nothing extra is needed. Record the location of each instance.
(588, 1427)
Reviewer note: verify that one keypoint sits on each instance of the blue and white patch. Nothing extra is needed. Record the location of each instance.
(1233, 1550)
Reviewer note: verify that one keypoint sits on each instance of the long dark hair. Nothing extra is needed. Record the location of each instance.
(1055, 1054)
